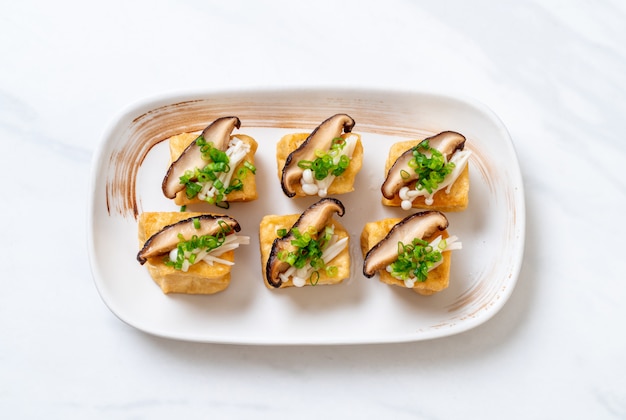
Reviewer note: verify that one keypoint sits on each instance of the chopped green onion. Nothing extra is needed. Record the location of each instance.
(192, 189)
(187, 248)
(431, 171)
(324, 165)
(309, 248)
(315, 277)
(243, 170)
(249, 166)
(304, 164)
(235, 185)
(224, 227)
(196, 223)
(415, 260)
(218, 163)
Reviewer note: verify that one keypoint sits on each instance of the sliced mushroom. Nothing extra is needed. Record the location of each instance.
(167, 238)
(400, 173)
(320, 139)
(316, 216)
(419, 225)
(218, 133)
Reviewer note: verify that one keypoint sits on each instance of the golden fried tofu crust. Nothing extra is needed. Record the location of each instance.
(201, 278)
(340, 185)
(456, 200)
(438, 278)
(267, 233)
(180, 142)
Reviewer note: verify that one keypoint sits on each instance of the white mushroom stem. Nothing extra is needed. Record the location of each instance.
(450, 244)
(236, 152)
(212, 256)
(312, 186)
(408, 195)
(300, 276)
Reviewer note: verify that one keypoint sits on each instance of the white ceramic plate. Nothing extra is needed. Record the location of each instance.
(131, 161)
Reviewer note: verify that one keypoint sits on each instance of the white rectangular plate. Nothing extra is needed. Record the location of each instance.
(131, 161)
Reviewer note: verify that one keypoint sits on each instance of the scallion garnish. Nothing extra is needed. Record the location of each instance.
(308, 252)
(431, 170)
(249, 166)
(214, 181)
(324, 163)
(187, 249)
(416, 259)
(315, 277)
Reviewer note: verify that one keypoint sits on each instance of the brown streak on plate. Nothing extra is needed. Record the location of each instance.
(481, 164)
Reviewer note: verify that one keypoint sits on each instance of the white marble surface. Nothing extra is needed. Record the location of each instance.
(554, 71)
